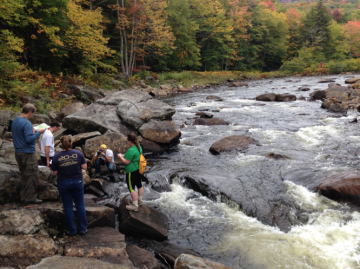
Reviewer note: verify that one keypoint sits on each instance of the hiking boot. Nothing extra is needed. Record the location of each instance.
(36, 202)
(132, 207)
(140, 202)
(83, 232)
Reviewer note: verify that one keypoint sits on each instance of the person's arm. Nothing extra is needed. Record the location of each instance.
(95, 157)
(84, 166)
(83, 161)
(123, 159)
(55, 173)
(108, 158)
(47, 155)
(30, 137)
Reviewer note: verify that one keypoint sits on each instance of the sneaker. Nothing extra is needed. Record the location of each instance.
(140, 202)
(132, 207)
(37, 201)
(83, 232)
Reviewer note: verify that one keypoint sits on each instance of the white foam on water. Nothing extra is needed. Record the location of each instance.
(330, 240)
(314, 136)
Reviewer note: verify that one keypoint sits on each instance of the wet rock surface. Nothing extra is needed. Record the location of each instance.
(209, 122)
(147, 222)
(166, 251)
(142, 258)
(232, 143)
(266, 97)
(186, 261)
(164, 132)
(20, 221)
(342, 187)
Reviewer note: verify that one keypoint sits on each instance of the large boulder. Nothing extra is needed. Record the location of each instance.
(142, 258)
(150, 146)
(352, 80)
(186, 261)
(344, 186)
(339, 108)
(101, 243)
(209, 122)
(166, 250)
(232, 143)
(114, 141)
(285, 97)
(135, 114)
(79, 139)
(318, 95)
(39, 119)
(61, 262)
(96, 117)
(47, 191)
(147, 222)
(9, 182)
(20, 251)
(5, 117)
(164, 132)
(266, 97)
(126, 95)
(20, 221)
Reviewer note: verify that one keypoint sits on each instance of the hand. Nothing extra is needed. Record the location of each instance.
(48, 163)
(102, 153)
(34, 131)
(42, 131)
(120, 155)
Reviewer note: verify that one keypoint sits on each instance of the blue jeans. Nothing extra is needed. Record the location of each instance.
(73, 190)
(109, 165)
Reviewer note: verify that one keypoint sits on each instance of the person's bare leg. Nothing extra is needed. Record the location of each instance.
(141, 193)
(134, 196)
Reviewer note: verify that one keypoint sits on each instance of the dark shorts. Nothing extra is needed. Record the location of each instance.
(43, 159)
(133, 179)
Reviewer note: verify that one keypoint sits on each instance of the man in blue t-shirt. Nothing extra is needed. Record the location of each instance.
(24, 138)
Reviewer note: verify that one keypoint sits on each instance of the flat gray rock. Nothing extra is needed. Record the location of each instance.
(20, 221)
(164, 132)
(135, 114)
(126, 95)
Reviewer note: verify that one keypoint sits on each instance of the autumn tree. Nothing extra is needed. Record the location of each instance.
(352, 34)
(294, 40)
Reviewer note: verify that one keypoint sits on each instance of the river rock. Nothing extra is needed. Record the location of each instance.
(142, 258)
(318, 95)
(61, 262)
(285, 97)
(352, 80)
(9, 182)
(234, 142)
(355, 86)
(150, 146)
(47, 191)
(5, 117)
(266, 97)
(135, 114)
(39, 119)
(114, 141)
(238, 84)
(339, 108)
(342, 96)
(186, 261)
(46, 174)
(331, 85)
(344, 186)
(68, 110)
(254, 195)
(96, 117)
(214, 98)
(166, 250)
(126, 95)
(326, 80)
(147, 222)
(164, 132)
(204, 115)
(3, 129)
(20, 251)
(101, 243)
(20, 221)
(209, 122)
(80, 139)
(303, 89)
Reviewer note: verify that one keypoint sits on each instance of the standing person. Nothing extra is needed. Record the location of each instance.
(24, 138)
(133, 177)
(67, 166)
(104, 157)
(46, 143)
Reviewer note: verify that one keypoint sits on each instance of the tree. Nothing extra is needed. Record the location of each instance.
(294, 40)
(316, 31)
(336, 14)
(352, 34)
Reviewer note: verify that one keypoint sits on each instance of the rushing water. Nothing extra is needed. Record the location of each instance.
(316, 144)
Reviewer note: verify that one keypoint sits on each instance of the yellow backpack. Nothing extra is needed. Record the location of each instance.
(142, 164)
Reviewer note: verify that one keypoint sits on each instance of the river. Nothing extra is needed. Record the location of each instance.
(315, 144)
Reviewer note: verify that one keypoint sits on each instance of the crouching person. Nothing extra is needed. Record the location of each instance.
(67, 166)
(104, 157)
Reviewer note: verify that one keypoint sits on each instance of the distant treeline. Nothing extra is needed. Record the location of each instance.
(125, 36)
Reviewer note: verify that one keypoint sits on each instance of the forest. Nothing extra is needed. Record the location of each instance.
(94, 39)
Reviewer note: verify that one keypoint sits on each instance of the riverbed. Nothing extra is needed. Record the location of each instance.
(313, 144)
